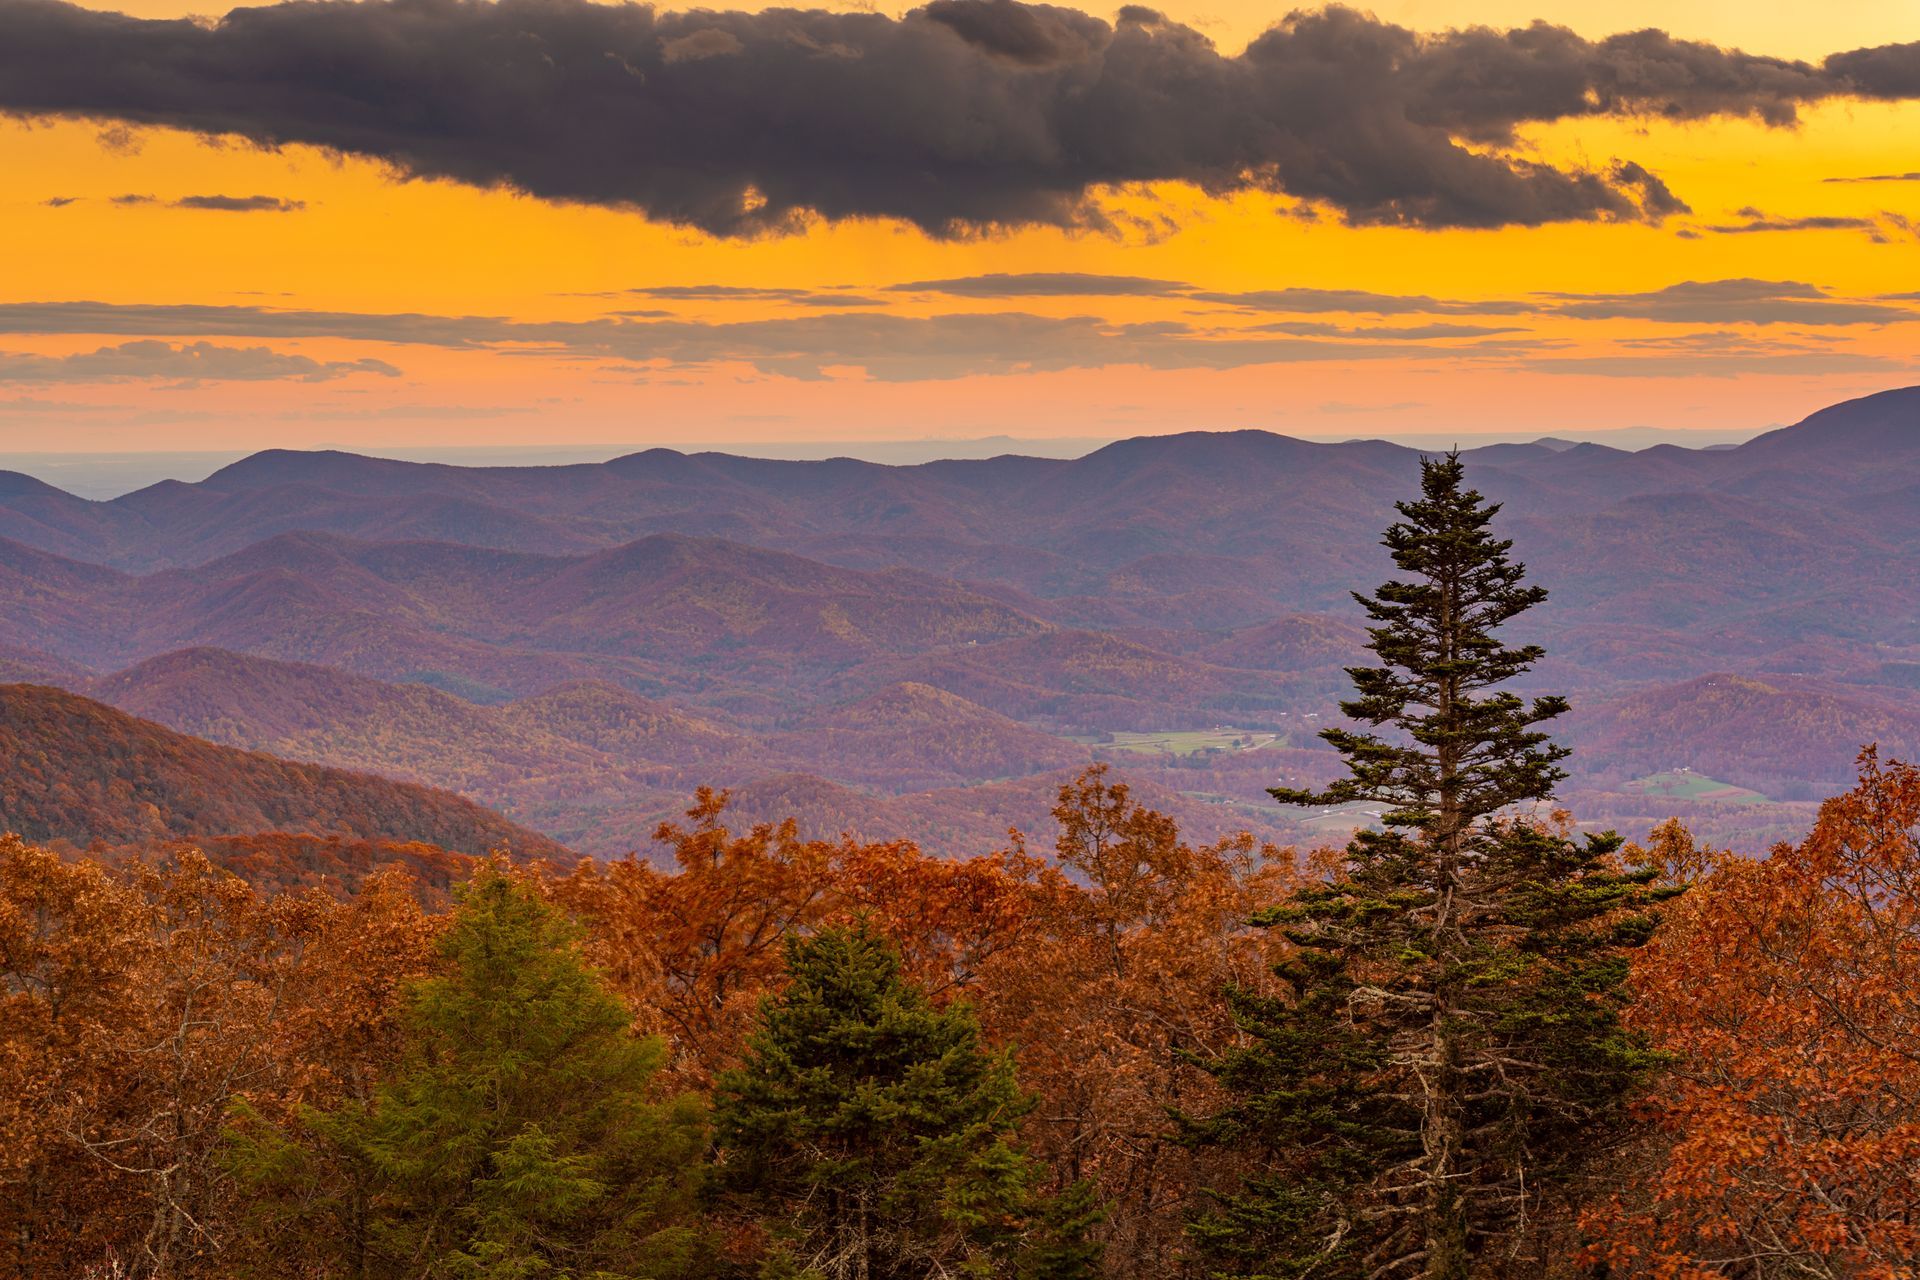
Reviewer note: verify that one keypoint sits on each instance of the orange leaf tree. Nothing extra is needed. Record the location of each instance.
(1115, 983)
(1788, 993)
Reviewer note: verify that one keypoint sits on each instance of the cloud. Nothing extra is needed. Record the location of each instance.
(149, 359)
(240, 204)
(1361, 302)
(220, 204)
(211, 319)
(887, 347)
(1404, 333)
(1878, 177)
(1029, 35)
(746, 293)
(1742, 301)
(697, 45)
(1723, 353)
(1728, 342)
(1890, 71)
(1044, 284)
(1758, 221)
(961, 115)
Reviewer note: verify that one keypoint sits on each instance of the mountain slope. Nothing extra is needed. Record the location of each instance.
(80, 770)
(912, 736)
(1789, 738)
(308, 712)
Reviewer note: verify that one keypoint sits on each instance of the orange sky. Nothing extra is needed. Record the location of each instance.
(355, 240)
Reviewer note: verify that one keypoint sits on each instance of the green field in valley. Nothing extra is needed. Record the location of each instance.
(1684, 784)
(1184, 742)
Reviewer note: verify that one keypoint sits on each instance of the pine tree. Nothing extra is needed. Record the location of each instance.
(520, 1137)
(1448, 1043)
(871, 1133)
(1060, 1241)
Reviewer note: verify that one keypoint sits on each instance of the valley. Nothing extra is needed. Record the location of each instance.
(927, 651)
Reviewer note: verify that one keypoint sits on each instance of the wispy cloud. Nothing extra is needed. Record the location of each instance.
(1743, 301)
(749, 293)
(1759, 221)
(215, 204)
(886, 346)
(1361, 302)
(1403, 333)
(153, 360)
(240, 204)
(1879, 177)
(1045, 284)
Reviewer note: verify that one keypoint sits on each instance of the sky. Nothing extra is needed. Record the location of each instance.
(429, 223)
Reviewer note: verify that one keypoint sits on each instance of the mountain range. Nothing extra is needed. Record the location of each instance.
(925, 650)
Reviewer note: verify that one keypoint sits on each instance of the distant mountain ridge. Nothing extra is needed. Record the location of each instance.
(1217, 485)
(583, 644)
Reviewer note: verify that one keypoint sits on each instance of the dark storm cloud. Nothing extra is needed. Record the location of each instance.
(1728, 302)
(960, 115)
(1889, 71)
(149, 359)
(1033, 35)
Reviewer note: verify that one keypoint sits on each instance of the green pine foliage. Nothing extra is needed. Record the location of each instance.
(520, 1139)
(871, 1134)
(1447, 1044)
(1060, 1243)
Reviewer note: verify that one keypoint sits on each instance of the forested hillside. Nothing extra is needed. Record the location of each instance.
(79, 771)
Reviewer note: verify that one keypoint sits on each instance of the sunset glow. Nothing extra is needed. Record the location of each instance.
(598, 323)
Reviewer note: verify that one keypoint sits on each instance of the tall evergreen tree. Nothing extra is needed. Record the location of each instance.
(1448, 1042)
(520, 1139)
(871, 1133)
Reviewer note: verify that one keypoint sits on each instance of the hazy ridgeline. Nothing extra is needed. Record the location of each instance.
(928, 651)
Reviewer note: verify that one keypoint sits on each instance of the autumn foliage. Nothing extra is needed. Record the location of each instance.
(1788, 994)
(175, 1036)
(139, 1006)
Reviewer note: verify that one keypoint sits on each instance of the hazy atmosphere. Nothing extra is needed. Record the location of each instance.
(987, 641)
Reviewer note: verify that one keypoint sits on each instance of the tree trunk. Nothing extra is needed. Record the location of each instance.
(863, 1245)
(1444, 1123)
(1446, 1213)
